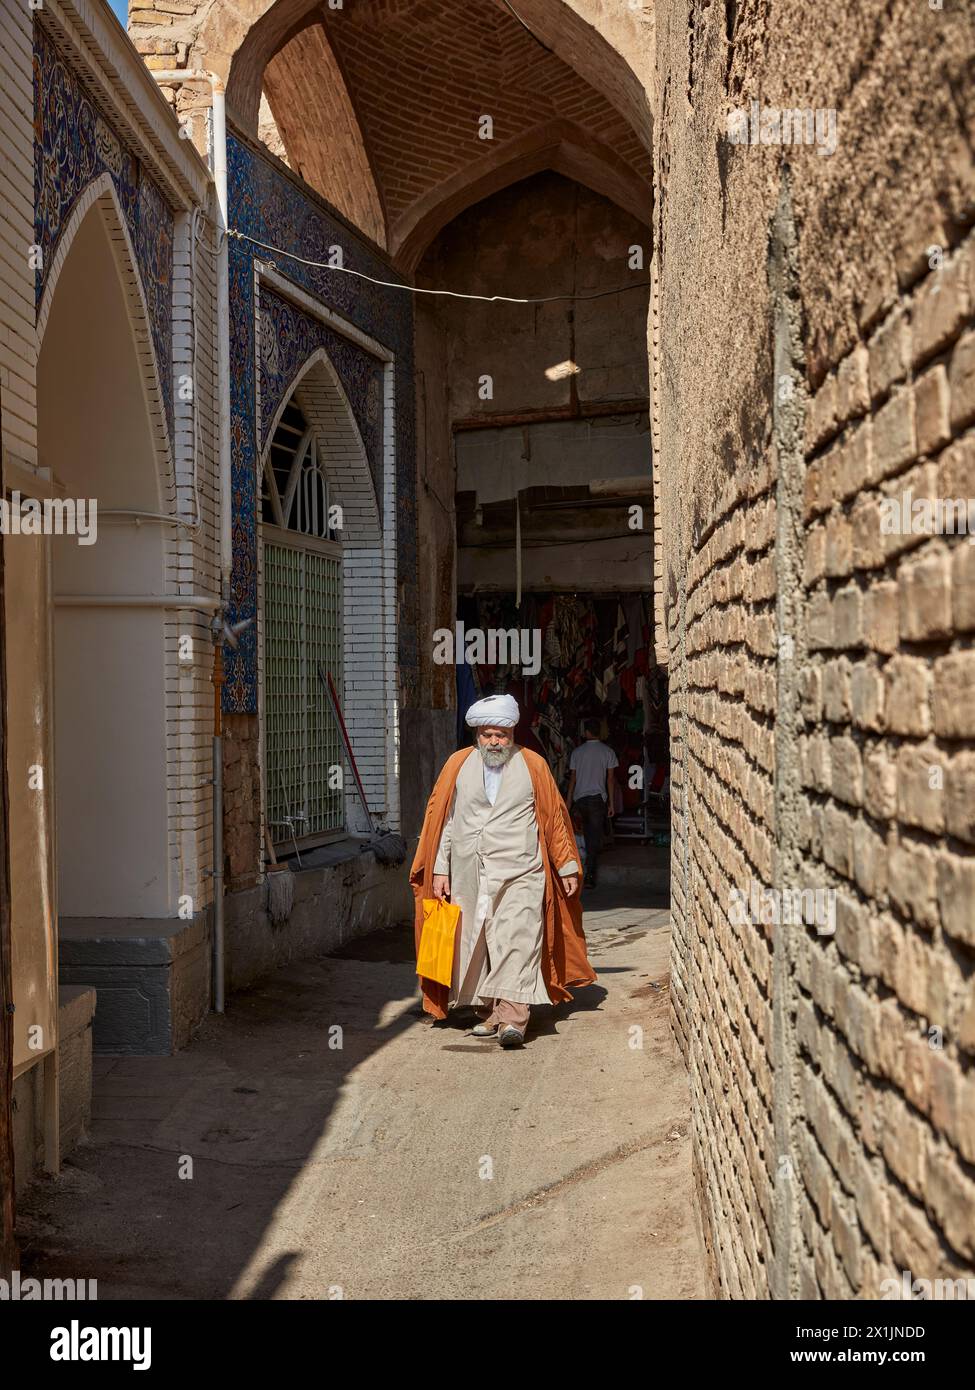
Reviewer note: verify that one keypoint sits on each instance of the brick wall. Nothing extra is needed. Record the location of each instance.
(814, 339)
(885, 1018)
(394, 93)
(883, 1125)
(724, 798)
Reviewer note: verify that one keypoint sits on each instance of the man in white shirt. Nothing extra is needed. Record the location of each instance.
(591, 792)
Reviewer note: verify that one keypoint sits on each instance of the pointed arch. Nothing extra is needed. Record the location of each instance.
(561, 146)
(368, 569)
(240, 40)
(100, 199)
(322, 399)
(588, 106)
(340, 168)
(102, 433)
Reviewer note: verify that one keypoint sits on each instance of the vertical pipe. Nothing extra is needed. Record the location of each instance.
(218, 918)
(226, 495)
(223, 327)
(218, 922)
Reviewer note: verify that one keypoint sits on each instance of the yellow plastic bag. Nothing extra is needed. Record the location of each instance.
(435, 959)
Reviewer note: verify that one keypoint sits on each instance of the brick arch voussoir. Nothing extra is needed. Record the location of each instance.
(593, 54)
(561, 146)
(238, 42)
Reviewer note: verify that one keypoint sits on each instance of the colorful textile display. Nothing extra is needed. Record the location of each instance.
(595, 661)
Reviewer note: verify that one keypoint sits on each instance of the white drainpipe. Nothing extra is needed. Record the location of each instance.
(218, 161)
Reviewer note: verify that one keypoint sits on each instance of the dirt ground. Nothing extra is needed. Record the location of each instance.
(413, 1161)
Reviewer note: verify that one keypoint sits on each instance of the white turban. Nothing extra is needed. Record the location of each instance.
(501, 710)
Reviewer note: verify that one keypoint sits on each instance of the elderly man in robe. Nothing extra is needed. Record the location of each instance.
(497, 841)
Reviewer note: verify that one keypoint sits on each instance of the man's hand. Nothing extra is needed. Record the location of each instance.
(609, 810)
(441, 886)
(571, 882)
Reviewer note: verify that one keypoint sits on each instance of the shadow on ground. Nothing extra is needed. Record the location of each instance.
(324, 1134)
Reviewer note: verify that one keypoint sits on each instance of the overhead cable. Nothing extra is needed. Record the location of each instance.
(416, 289)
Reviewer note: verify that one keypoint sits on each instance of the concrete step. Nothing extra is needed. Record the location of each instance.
(152, 977)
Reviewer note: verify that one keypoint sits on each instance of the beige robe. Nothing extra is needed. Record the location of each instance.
(497, 879)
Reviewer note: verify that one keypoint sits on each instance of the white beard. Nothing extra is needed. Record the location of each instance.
(497, 757)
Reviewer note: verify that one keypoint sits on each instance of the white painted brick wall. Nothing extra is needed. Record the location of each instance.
(191, 553)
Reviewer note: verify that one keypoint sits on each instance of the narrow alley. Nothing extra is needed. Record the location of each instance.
(414, 1161)
(487, 663)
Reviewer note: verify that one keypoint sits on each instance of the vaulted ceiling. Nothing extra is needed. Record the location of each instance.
(379, 106)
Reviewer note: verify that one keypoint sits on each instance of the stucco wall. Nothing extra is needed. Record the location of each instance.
(543, 236)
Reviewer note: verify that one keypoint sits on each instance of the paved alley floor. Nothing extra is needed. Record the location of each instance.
(411, 1161)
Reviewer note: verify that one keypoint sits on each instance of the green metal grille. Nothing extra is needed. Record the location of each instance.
(303, 626)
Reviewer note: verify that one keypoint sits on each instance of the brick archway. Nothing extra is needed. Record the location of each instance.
(561, 146)
(239, 42)
(397, 92)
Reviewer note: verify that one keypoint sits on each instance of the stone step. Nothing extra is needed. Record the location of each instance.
(152, 976)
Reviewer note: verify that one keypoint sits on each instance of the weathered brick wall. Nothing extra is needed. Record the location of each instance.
(815, 331)
(726, 674)
(242, 847)
(885, 1018)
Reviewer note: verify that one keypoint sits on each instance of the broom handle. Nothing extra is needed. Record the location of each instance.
(337, 709)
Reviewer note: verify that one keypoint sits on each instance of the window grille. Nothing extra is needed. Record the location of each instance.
(302, 629)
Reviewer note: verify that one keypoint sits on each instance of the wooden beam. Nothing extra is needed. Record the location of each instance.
(586, 410)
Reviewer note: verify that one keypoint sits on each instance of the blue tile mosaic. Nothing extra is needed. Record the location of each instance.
(73, 145)
(264, 203)
(289, 337)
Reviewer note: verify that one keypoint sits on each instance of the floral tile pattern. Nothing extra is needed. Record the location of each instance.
(73, 145)
(288, 338)
(270, 207)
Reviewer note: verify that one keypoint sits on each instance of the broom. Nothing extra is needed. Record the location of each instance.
(388, 847)
(280, 886)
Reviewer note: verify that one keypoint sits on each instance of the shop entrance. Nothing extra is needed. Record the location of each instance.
(596, 662)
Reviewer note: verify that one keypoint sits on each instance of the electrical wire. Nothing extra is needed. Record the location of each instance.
(416, 289)
(508, 6)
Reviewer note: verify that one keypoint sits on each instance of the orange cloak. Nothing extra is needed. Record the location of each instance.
(564, 959)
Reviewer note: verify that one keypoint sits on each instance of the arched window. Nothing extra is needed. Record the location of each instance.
(295, 493)
(302, 639)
